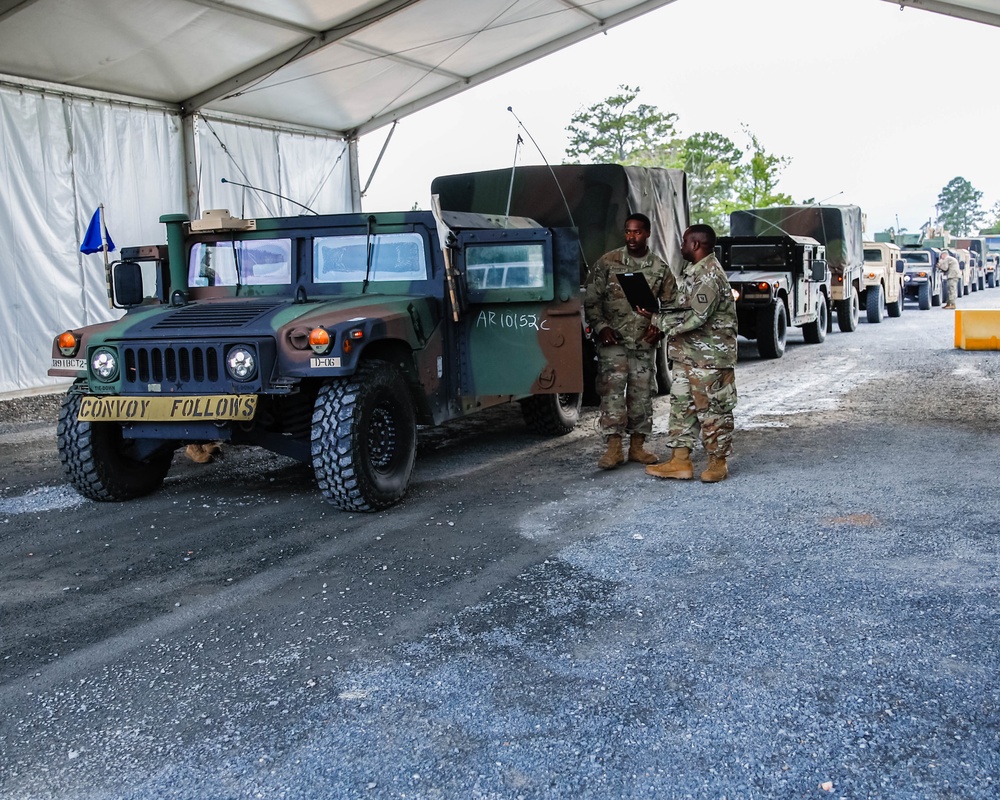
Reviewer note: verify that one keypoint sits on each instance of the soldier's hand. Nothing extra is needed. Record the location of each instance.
(608, 336)
(652, 335)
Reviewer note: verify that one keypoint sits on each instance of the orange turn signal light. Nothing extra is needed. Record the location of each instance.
(319, 340)
(68, 344)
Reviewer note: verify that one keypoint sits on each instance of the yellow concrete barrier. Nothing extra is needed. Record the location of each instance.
(977, 329)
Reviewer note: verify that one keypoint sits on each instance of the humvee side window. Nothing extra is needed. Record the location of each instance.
(247, 262)
(520, 266)
(394, 257)
(756, 255)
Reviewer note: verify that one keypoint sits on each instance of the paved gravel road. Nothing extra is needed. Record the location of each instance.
(523, 625)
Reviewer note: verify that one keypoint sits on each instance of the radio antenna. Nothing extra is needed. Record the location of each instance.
(554, 178)
(265, 191)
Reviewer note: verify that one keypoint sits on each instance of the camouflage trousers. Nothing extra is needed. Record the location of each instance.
(702, 398)
(625, 384)
(952, 290)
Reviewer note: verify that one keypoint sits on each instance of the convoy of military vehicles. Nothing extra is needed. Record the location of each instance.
(330, 338)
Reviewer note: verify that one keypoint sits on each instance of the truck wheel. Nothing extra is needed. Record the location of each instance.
(991, 280)
(875, 303)
(924, 299)
(772, 328)
(848, 312)
(662, 368)
(896, 309)
(552, 414)
(99, 462)
(364, 438)
(815, 332)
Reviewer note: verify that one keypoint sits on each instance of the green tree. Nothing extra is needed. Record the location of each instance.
(756, 185)
(993, 220)
(959, 209)
(618, 131)
(713, 165)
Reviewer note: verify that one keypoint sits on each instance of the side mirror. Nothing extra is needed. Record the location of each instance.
(818, 270)
(126, 279)
(900, 265)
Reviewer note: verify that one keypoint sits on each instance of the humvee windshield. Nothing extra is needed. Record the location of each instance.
(249, 262)
(394, 257)
(923, 257)
(757, 255)
(873, 256)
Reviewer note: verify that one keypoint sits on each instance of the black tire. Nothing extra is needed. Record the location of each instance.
(772, 330)
(991, 280)
(848, 313)
(874, 303)
(815, 332)
(364, 438)
(939, 298)
(662, 368)
(895, 309)
(98, 460)
(924, 299)
(552, 414)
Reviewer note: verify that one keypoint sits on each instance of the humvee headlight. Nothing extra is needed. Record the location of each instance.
(241, 364)
(320, 341)
(736, 294)
(68, 344)
(104, 364)
(871, 275)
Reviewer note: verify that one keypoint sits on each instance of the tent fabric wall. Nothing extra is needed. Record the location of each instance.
(306, 169)
(62, 155)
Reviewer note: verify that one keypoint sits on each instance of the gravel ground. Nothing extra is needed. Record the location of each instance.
(823, 624)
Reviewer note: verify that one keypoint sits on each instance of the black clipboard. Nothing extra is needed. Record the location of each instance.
(637, 291)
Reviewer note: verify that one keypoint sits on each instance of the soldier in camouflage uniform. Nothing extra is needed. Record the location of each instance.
(952, 274)
(698, 317)
(625, 359)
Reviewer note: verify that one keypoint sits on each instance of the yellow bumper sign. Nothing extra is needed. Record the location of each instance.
(207, 408)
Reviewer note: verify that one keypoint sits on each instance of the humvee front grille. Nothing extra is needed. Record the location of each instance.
(174, 367)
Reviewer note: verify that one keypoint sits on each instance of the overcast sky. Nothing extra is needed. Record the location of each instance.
(875, 106)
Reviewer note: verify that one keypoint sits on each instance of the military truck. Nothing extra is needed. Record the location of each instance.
(883, 276)
(838, 228)
(324, 338)
(595, 199)
(922, 280)
(777, 281)
(986, 267)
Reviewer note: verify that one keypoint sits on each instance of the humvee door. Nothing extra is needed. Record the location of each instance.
(521, 330)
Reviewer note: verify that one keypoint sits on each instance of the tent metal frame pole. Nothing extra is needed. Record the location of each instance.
(192, 164)
(355, 169)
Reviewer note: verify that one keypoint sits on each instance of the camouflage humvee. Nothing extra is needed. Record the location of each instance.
(777, 281)
(324, 338)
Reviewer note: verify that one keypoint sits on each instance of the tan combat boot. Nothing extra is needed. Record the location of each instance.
(679, 466)
(636, 451)
(613, 456)
(717, 470)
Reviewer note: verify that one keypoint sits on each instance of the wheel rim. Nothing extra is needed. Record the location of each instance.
(383, 438)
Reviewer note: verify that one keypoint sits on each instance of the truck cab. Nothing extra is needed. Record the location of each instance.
(777, 281)
(921, 279)
(883, 280)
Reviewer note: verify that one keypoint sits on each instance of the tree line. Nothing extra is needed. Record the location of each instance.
(722, 176)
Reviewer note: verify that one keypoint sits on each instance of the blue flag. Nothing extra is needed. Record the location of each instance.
(92, 242)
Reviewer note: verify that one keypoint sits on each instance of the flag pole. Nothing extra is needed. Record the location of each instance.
(104, 249)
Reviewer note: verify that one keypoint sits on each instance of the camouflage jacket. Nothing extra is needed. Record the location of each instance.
(948, 265)
(604, 302)
(698, 316)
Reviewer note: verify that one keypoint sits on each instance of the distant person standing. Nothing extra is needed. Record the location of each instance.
(698, 317)
(948, 265)
(625, 366)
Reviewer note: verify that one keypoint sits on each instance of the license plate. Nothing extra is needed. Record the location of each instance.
(206, 408)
